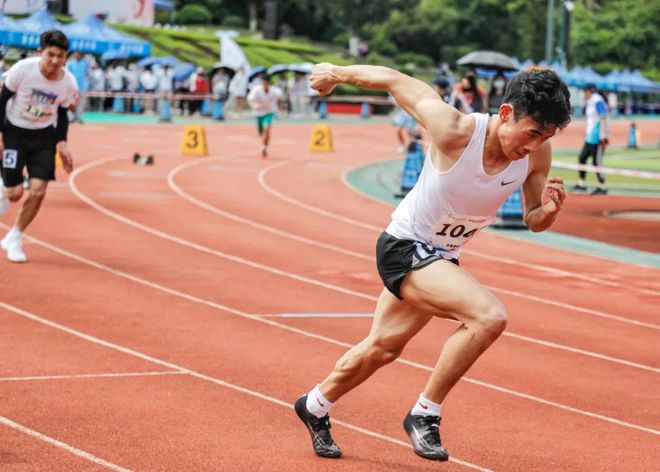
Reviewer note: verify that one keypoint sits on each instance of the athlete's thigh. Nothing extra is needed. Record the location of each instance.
(396, 321)
(41, 163)
(446, 290)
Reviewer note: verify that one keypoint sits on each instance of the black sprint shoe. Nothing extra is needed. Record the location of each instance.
(577, 188)
(424, 432)
(319, 430)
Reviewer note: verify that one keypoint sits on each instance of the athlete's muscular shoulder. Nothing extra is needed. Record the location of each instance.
(448, 146)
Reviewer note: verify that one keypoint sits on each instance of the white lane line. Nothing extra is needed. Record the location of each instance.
(308, 279)
(582, 352)
(295, 330)
(62, 445)
(90, 376)
(198, 247)
(208, 378)
(252, 223)
(138, 195)
(128, 174)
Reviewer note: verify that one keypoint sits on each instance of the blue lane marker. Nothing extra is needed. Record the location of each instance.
(327, 315)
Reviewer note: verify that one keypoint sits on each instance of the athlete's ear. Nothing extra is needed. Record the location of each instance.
(506, 111)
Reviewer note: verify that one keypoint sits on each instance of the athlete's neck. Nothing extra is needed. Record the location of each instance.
(494, 158)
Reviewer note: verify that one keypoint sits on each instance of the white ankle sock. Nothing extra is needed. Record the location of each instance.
(14, 233)
(317, 404)
(426, 407)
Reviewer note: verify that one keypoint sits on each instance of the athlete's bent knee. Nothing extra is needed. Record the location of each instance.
(38, 193)
(493, 319)
(14, 194)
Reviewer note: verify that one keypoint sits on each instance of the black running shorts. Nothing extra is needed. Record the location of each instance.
(395, 258)
(31, 148)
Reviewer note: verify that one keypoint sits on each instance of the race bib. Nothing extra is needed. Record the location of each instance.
(9, 158)
(453, 231)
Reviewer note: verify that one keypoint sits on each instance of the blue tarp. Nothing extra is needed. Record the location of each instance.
(92, 35)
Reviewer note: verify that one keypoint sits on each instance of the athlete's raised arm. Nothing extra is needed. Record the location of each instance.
(443, 122)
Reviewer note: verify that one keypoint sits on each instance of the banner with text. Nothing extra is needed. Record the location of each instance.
(130, 12)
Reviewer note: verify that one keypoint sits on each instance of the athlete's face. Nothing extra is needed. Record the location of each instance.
(53, 59)
(522, 137)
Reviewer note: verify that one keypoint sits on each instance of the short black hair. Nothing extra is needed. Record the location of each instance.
(591, 87)
(541, 95)
(54, 38)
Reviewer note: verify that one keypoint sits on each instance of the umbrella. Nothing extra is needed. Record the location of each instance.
(487, 60)
(160, 60)
(255, 72)
(183, 71)
(277, 69)
(302, 68)
(230, 71)
(112, 55)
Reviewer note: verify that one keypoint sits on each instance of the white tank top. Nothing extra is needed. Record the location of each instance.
(446, 209)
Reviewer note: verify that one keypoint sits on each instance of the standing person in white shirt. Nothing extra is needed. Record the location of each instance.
(474, 163)
(264, 99)
(117, 80)
(238, 90)
(149, 84)
(34, 102)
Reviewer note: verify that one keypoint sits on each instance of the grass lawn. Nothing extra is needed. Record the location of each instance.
(645, 159)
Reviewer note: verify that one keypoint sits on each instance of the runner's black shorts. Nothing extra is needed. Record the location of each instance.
(396, 258)
(31, 148)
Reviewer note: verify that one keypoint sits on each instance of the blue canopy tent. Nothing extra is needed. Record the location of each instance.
(28, 30)
(8, 30)
(93, 36)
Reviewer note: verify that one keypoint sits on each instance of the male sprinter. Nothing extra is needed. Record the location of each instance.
(33, 124)
(264, 100)
(474, 163)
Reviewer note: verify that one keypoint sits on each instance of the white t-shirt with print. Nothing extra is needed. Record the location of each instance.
(263, 102)
(36, 99)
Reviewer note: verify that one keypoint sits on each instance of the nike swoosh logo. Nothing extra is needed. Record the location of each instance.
(322, 404)
(423, 406)
(507, 183)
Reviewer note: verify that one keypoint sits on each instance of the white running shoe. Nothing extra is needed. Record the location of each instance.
(14, 247)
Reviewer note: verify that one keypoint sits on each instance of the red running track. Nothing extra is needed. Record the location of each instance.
(145, 332)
